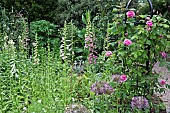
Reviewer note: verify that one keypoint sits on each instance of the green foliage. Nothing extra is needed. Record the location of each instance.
(46, 31)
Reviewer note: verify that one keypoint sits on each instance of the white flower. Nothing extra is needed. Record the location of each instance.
(39, 101)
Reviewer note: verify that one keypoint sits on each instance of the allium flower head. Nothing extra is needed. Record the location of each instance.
(130, 14)
(76, 108)
(101, 87)
(149, 23)
(139, 102)
(108, 53)
(127, 42)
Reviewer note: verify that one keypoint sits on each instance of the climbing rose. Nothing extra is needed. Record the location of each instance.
(126, 34)
(127, 42)
(130, 14)
(147, 18)
(122, 78)
(162, 82)
(108, 53)
(139, 102)
(164, 55)
(149, 29)
(149, 23)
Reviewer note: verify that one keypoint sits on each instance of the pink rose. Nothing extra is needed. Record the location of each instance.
(164, 55)
(147, 18)
(122, 78)
(108, 53)
(130, 14)
(149, 29)
(127, 42)
(162, 82)
(149, 23)
(126, 34)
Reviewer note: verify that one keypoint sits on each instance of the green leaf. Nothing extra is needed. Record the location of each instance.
(84, 19)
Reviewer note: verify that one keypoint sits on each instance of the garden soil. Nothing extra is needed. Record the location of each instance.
(164, 75)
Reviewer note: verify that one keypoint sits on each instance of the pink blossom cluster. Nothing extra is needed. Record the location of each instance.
(127, 42)
(108, 53)
(92, 58)
(130, 14)
(163, 54)
(162, 82)
(89, 43)
(91, 48)
(149, 24)
(119, 78)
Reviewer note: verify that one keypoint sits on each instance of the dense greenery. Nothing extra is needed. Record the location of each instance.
(86, 61)
(57, 11)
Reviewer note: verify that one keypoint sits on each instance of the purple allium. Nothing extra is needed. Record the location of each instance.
(76, 108)
(139, 102)
(101, 87)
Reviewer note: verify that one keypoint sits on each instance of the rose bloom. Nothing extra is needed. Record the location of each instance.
(149, 29)
(130, 14)
(162, 82)
(164, 55)
(149, 23)
(108, 53)
(126, 34)
(122, 78)
(127, 42)
(147, 18)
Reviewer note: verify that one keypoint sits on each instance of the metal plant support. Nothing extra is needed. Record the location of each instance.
(151, 11)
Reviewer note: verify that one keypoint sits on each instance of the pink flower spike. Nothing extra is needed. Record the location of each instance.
(149, 23)
(127, 42)
(108, 53)
(162, 82)
(130, 14)
(164, 55)
(122, 78)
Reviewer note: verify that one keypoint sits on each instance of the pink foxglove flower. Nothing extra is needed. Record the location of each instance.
(149, 23)
(127, 42)
(162, 82)
(122, 78)
(108, 53)
(130, 14)
(164, 55)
